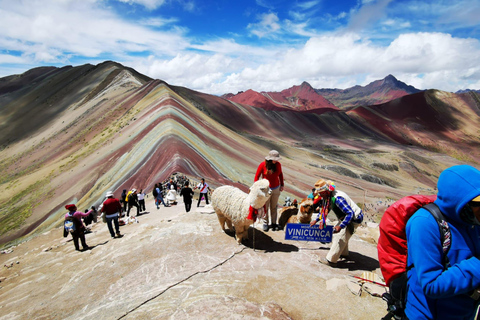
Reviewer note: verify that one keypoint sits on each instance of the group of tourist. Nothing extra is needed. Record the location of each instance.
(430, 284)
(112, 208)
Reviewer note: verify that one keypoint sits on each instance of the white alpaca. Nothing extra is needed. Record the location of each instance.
(232, 206)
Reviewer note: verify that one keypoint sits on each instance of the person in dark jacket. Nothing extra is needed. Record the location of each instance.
(187, 194)
(133, 202)
(123, 200)
(79, 233)
(435, 291)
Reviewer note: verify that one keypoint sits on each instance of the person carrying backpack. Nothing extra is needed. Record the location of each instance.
(73, 224)
(436, 291)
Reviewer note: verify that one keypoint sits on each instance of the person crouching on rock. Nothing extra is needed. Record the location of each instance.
(112, 209)
(350, 216)
(79, 228)
(172, 195)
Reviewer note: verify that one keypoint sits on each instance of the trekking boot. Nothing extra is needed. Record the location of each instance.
(265, 227)
(274, 227)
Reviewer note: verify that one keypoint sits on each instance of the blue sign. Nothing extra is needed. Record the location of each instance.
(303, 232)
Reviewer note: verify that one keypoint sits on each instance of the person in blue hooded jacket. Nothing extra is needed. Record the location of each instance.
(433, 291)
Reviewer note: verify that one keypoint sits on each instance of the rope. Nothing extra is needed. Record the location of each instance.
(179, 282)
(254, 236)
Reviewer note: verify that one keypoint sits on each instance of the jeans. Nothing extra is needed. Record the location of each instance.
(200, 198)
(188, 206)
(158, 201)
(80, 234)
(142, 205)
(130, 205)
(110, 227)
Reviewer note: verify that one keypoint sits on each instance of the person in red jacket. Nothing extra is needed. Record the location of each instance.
(112, 208)
(79, 232)
(271, 170)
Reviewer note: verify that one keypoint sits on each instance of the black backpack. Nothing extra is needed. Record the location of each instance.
(397, 295)
(155, 193)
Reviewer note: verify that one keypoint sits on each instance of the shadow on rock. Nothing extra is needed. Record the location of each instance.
(265, 242)
(98, 244)
(357, 261)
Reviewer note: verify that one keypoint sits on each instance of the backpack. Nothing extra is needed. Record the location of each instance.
(155, 193)
(392, 247)
(69, 225)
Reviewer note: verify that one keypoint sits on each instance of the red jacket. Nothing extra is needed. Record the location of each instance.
(111, 206)
(275, 179)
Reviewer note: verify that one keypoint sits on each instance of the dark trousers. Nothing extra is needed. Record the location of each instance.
(188, 205)
(79, 235)
(141, 203)
(130, 205)
(200, 198)
(110, 227)
(124, 203)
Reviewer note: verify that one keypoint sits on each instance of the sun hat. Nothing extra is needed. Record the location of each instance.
(133, 190)
(323, 185)
(71, 207)
(273, 155)
(109, 194)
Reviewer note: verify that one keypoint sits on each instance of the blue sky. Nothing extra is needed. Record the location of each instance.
(219, 46)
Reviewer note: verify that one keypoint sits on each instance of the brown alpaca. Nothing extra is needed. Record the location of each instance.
(301, 215)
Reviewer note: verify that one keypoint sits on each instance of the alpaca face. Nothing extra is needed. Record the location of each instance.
(306, 207)
(260, 192)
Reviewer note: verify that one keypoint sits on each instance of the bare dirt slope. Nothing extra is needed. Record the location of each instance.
(178, 265)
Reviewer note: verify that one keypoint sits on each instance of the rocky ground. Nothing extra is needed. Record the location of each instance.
(178, 265)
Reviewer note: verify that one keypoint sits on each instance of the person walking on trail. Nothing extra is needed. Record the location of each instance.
(112, 209)
(132, 201)
(271, 169)
(79, 228)
(158, 194)
(204, 188)
(349, 216)
(187, 194)
(452, 292)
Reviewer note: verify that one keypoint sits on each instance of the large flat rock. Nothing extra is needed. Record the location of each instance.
(178, 265)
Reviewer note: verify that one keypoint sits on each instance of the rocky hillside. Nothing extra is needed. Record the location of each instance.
(72, 133)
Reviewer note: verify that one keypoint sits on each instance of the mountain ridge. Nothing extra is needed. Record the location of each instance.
(301, 97)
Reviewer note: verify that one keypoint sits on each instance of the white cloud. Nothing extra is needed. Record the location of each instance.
(307, 5)
(56, 32)
(370, 12)
(52, 31)
(149, 4)
(268, 25)
(426, 60)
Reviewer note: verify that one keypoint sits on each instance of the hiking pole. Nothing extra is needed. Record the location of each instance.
(380, 284)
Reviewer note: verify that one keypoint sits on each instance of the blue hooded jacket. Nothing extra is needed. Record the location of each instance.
(435, 293)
